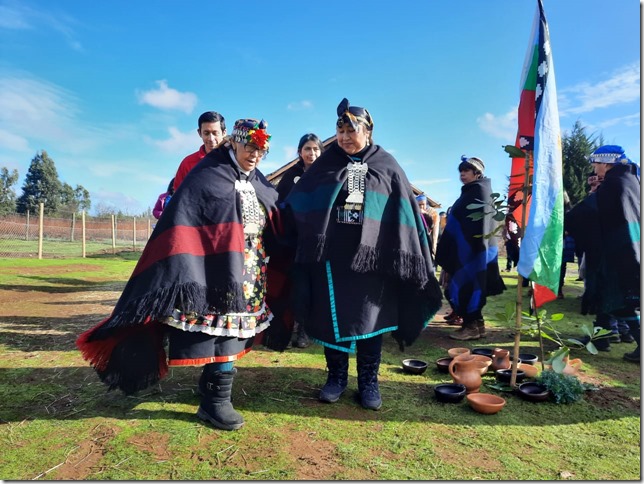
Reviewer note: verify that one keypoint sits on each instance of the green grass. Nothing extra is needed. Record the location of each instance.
(58, 422)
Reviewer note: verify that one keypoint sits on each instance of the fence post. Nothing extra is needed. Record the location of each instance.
(27, 234)
(134, 233)
(149, 229)
(113, 235)
(71, 239)
(40, 228)
(84, 242)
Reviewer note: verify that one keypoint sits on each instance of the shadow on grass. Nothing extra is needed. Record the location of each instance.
(30, 334)
(73, 285)
(70, 393)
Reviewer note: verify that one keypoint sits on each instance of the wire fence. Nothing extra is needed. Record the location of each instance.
(70, 235)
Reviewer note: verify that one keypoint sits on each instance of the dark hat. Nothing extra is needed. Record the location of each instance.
(353, 115)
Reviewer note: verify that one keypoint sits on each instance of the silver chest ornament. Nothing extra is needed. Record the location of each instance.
(352, 211)
(251, 211)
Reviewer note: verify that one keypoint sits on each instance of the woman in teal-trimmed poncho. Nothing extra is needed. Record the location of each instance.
(362, 266)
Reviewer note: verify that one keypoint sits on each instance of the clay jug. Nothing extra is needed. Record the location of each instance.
(466, 370)
(485, 359)
(501, 359)
(572, 366)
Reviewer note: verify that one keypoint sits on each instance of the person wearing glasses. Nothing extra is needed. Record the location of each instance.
(362, 266)
(200, 281)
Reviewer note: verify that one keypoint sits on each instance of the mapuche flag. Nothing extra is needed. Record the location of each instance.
(539, 135)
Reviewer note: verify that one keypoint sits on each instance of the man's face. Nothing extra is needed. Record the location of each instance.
(211, 134)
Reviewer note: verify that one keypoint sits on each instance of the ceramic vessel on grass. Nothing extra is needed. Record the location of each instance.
(530, 370)
(415, 367)
(500, 359)
(466, 370)
(533, 392)
(485, 403)
(482, 351)
(453, 352)
(485, 359)
(450, 392)
(505, 375)
(528, 358)
(443, 364)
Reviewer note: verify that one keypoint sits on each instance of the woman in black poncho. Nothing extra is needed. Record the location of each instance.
(309, 149)
(469, 259)
(362, 266)
(200, 281)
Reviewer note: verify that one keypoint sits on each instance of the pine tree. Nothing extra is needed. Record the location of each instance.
(7, 195)
(41, 186)
(74, 199)
(576, 147)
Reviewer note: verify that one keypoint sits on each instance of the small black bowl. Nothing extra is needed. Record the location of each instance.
(533, 392)
(415, 367)
(482, 351)
(504, 376)
(443, 364)
(528, 358)
(450, 392)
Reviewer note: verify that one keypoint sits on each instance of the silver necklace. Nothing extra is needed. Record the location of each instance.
(251, 212)
(356, 182)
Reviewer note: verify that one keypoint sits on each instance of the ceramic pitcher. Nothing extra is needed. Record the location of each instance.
(466, 370)
(501, 359)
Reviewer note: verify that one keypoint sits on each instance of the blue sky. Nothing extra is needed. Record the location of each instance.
(112, 90)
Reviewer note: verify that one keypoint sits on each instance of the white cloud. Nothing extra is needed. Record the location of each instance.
(38, 108)
(167, 98)
(16, 16)
(13, 18)
(630, 120)
(13, 142)
(299, 105)
(178, 142)
(623, 87)
(502, 127)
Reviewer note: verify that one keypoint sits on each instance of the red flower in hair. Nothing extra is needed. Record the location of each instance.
(259, 137)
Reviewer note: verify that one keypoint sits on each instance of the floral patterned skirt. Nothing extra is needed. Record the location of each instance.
(197, 339)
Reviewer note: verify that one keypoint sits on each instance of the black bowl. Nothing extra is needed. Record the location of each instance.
(528, 358)
(504, 376)
(415, 367)
(482, 351)
(533, 391)
(443, 364)
(450, 392)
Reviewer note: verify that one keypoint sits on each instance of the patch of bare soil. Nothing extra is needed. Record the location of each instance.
(85, 459)
(314, 459)
(154, 443)
(611, 397)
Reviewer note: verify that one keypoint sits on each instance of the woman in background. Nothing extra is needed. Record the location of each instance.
(308, 150)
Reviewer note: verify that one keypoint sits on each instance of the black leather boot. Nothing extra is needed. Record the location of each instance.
(337, 363)
(368, 366)
(216, 406)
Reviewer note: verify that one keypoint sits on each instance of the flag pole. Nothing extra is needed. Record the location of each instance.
(519, 302)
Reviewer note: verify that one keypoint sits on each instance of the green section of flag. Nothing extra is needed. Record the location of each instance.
(530, 83)
(547, 265)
